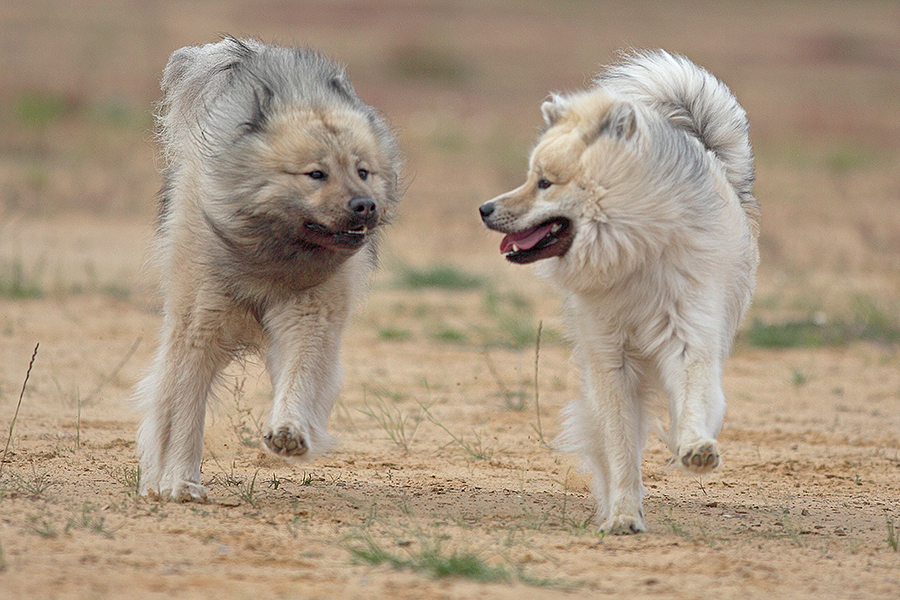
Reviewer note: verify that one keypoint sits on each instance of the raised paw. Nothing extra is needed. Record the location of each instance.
(285, 442)
(701, 457)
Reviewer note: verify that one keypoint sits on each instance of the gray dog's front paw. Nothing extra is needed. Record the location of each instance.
(286, 442)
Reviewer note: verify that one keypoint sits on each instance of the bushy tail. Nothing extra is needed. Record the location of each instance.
(692, 98)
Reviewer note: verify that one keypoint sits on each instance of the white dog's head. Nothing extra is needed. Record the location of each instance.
(594, 198)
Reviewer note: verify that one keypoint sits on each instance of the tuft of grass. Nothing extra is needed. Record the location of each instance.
(399, 428)
(893, 536)
(394, 334)
(513, 314)
(39, 525)
(430, 558)
(449, 335)
(90, 519)
(239, 487)
(442, 277)
(246, 425)
(799, 378)
(34, 487)
(512, 399)
(477, 449)
(16, 283)
(130, 477)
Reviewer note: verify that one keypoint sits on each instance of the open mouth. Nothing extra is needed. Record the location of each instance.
(344, 239)
(550, 238)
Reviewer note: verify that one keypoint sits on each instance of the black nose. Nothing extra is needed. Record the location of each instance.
(486, 209)
(364, 209)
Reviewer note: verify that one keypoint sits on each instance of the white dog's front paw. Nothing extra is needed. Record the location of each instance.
(699, 457)
(286, 441)
(623, 525)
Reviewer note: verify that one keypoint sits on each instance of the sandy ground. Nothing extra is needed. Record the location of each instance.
(446, 458)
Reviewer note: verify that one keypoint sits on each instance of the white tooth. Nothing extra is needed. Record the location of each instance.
(556, 227)
(515, 248)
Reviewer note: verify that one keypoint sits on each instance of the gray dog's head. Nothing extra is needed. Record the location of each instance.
(297, 172)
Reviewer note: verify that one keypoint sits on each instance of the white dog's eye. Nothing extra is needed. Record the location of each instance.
(543, 184)
(363, 174)
(317, 174)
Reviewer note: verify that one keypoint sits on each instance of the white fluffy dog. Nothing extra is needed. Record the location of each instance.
(639, 204)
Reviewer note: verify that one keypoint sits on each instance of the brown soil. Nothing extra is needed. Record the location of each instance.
(807, 503)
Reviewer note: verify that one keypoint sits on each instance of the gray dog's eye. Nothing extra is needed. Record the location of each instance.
(363, 174)
(317, 174)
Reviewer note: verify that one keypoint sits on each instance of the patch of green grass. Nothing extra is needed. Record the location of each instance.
(395, 334)
(850, 157)
(442, 277)
(450, 335)
(869, 323)
(799, 378)
(431, 62)
(514, 321)
(427, 556)
(18, 284)
(42, 109)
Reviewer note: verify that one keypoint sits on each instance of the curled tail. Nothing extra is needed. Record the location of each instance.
(695, 100)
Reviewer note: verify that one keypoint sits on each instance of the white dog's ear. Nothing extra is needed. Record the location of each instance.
(620, 122)
(553, 109)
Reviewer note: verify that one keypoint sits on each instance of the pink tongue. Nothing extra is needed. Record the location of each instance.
(525, 240)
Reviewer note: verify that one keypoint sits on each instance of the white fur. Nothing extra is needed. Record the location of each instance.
(653, 168)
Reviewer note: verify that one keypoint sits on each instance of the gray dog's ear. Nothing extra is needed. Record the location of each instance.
(194, 76)
(553, 109)
(620, 122)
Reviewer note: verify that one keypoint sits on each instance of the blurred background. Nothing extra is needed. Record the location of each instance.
(462, 82)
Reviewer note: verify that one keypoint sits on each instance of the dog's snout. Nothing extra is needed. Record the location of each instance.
(363, 210)
(363, 207)
(486, 209)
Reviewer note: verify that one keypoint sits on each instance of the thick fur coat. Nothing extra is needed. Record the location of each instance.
(639, 206)
(278, 182)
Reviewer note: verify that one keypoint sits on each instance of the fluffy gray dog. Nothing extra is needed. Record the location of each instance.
(278, 180)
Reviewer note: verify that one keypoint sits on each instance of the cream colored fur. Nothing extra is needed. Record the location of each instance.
(279, 180)
(652, 171)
